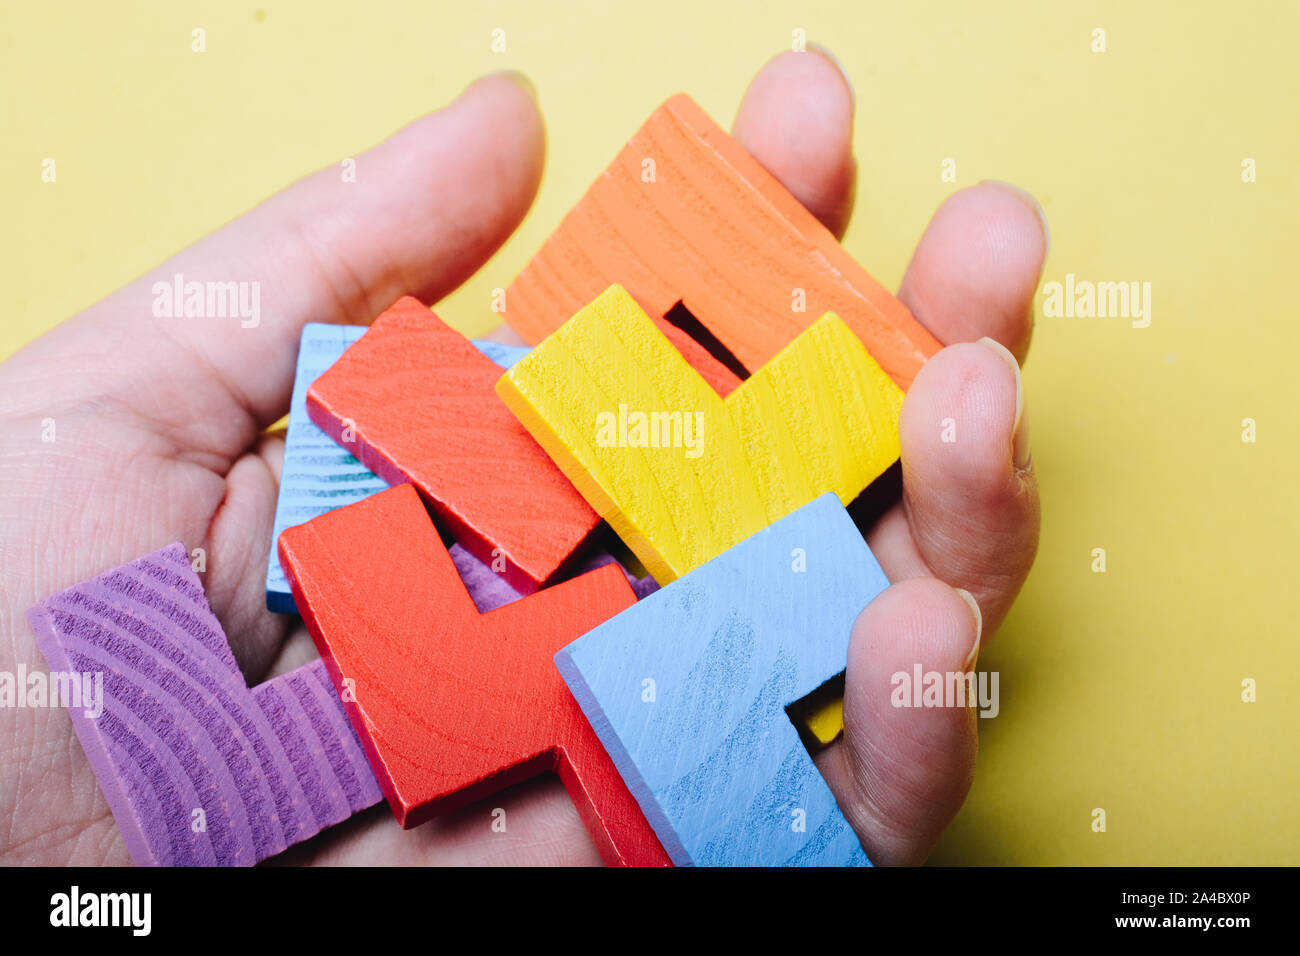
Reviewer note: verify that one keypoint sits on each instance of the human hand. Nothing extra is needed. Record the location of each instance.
(160, 437)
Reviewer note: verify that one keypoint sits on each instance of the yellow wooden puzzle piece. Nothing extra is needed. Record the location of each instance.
(682, 474)
(826, 722)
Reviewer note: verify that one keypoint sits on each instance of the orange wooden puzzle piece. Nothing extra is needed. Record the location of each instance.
(685, 214)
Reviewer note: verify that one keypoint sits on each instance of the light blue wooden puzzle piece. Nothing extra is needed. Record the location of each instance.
(319, 476)
(708, 749)
(504, 355)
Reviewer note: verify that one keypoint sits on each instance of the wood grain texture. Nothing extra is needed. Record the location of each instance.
(821, 416)
(688, 691)
(181, 732)
(318, 475)
(716, 231)
(451, 705)
(415, 399)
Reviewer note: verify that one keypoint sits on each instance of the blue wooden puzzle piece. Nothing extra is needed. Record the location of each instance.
(319, 476)
(708, 748)
(504, 355)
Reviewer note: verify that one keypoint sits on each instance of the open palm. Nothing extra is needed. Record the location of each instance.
(157, 428)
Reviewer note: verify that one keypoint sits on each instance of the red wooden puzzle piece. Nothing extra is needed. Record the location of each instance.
(452, 705)
(413, 399)
(720, 378)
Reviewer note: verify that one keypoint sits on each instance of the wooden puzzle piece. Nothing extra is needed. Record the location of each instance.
(679, 473)
(688, 691)
(826, 722)
(821, 416)
(685, 214)
(451, 705)
(197, 768)
(489, 591)
(413, 399)
(501, 354)
(720, 378)
(318, 475)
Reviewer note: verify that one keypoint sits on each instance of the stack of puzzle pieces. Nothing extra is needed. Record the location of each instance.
(651, 569)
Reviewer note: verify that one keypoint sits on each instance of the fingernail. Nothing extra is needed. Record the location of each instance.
(974, 654)
(1032, 202)
(519, 79)
(1020, 454)
(826, 54)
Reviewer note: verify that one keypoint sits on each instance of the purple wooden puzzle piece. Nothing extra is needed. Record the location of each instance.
(490, 591)
(180, 731)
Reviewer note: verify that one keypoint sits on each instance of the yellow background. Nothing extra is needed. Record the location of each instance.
(1119, 690)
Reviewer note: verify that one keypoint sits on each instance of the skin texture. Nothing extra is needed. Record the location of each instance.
(159, 437)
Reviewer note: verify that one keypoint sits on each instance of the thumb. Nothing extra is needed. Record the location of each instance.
(901, 771)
